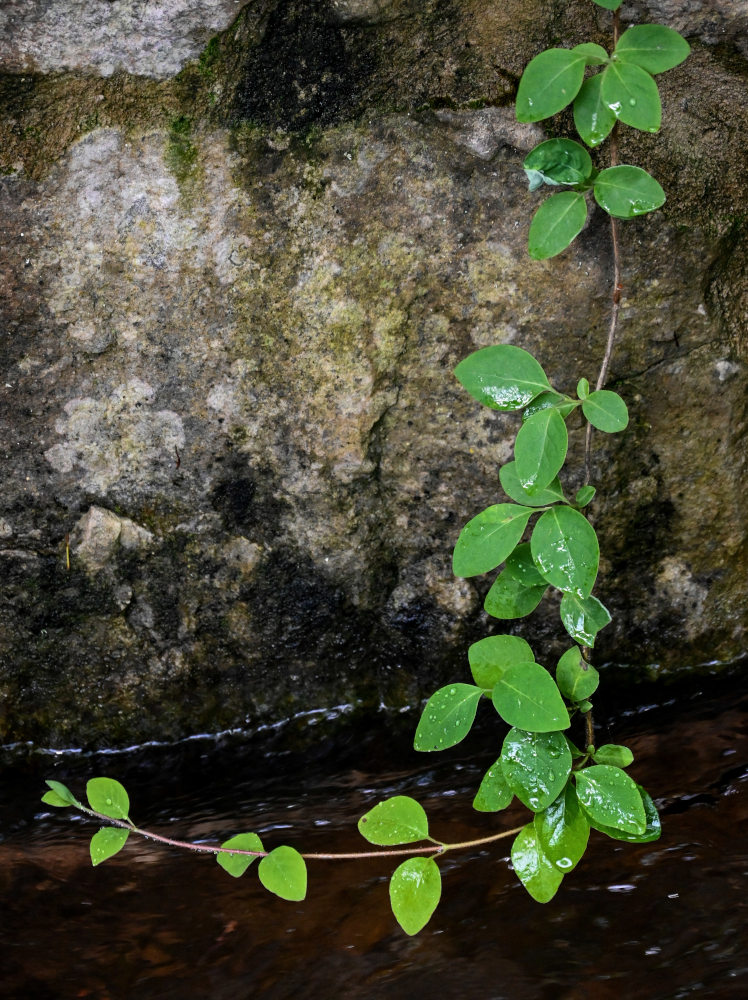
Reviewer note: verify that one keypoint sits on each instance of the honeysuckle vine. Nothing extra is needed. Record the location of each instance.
(542, 539)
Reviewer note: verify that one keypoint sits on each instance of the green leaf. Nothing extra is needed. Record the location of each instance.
(653, 47)
(447, 717)
(565, 549)
(526, 696)
(399, 820)
(521, 566)
(237, 864)
(592, 117)
(555, 224)
(583, 388)
(510, 598)
(612, 753)
(626, 191)
(536, 766)
(606, 411)
(550, 82)
(608, 4)
(563, 830)
(557, 161)
(535, 871)
(283, 872)
(502, 377)
(540, 449)
(488, 538)
(106, 843)
(583, 617)
(490, 657)
(494, 793)
(542, 498)
(549, 399)
(415, 890)
(632, 96)
(108, 797)
(576, 679)
(585, 707)
(609, 796)
(584, 495)
(60, 795)
(652, 831)
(594, 55)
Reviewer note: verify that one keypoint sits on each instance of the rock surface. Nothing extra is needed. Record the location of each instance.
(228, 344)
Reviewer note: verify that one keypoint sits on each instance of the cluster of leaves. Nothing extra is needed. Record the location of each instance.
(622, 89)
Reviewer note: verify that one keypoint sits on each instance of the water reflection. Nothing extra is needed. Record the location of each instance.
(662, 920)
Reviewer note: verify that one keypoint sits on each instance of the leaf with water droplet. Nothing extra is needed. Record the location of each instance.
(609, 796)
(652, 831)
(536, 766)
(59, 795)
(540, 498)
(592, 116)
(565, 550)
(627, 191)
(503, 377)
(399, 820)
(558, 161)
(583, 617)
(632, 96)
(540, 449)
(606, 411)
(535, 871)
(494, 793)
(547, 400)
(526, 696)
(106, 843)
(490, 657)
(563, 830)
(415, 891)
(653, 47)
(550, 82)
(237, 864)
(108, 797)
(510, 598)
(556, 223)
(447, 717)
(283, 872)
(612, 753)
(576, 678)
(488, 538)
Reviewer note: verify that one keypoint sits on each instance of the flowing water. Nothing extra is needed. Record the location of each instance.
(661, 920)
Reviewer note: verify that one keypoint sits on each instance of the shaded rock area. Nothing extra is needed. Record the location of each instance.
(235, 457)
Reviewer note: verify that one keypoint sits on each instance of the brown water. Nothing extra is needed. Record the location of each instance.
(662, 920)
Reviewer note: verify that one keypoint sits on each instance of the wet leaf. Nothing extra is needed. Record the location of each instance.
(59, 795)
(653, 828)
(557, 161)
(550, 82)
(594, 55)
(584, 495)
(415, 890)
(526, 696)
(106, 843)
(613, 754)
(536, 766)
(237, 864)
(583, 617)
(563, 830)
(555, 224)
(108, 797)
(447, 717)
(541, 498)
(494, 793)
(626, 191)
(488, 538)
(565, 549)
(653, 47)
(549, 399)
(609, 796)
(535, 871)
(399, 820)
(502, 377)
(592, 117)
(632, 96)
(540, 449)
(576, 678)
(490, 657)
(510, 598)
(283, 872)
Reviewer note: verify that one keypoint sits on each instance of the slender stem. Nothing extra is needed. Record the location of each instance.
(433, 848)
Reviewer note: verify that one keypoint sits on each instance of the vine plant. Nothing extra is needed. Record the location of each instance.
(569, 789)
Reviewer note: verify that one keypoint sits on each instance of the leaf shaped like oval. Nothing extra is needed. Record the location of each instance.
(592, 116)
(399, 820)
(654, 47)
(559, 161)
(565, 549)
(490, 657)
(536, 766)
(108, 797)
(555, 224)
(606, 411)
(494, 793)
(583, 617)
(563, 830)
(447, 717)
(526, 696)
(502, 377)
(283, 872)
(550, 81)
(106, 843)
(627, 191)
(612, 753)
(576, 678)
(488, 538)
(415, 891)
(540, 449)
(651, 832)
(535, 871)
(237, 864)
(632, 96)
(540, 498)
(609, 796)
